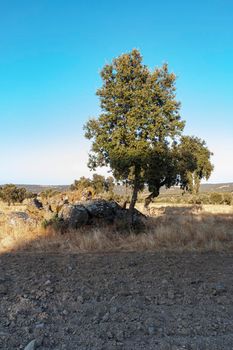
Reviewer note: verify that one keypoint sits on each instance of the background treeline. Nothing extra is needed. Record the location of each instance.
(104, 187)
(201, 198)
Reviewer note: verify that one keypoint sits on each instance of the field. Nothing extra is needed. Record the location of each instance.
(167, 227)
(130, 301)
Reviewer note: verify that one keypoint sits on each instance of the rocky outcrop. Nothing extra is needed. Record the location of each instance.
(74, 216)
(60, 213)
(97, 212)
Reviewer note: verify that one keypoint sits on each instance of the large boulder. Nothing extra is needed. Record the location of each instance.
(74, 216)
(102, 209)
(97, 211)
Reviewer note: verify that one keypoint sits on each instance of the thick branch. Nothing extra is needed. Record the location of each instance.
(153, 194)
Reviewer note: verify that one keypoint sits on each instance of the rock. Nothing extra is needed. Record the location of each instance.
(31, 345)
(113, 310)
(39, 326)
(39, 333)
(35, 209)
(19, 217)
(35, 203)
(151, 330)
(98, 211)
(101, 209)
(80, 299)
(74, 215)
(219, 289)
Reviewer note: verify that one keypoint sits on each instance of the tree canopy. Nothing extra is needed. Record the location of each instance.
(193, 163)
(98, 182)
(138, 132)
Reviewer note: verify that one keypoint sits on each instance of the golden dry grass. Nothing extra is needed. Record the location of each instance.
(173, 228)
(5, 208)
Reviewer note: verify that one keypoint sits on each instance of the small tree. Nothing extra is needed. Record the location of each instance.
(98, 182)
(11, 194)
(140, 116)
(162, 170)
(81, 184)
(193, 163)
(185, 163)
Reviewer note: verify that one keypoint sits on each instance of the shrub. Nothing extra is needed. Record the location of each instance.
(227, 198)
(11, 194)
(49, 193)
(56, 223)
(216, 198)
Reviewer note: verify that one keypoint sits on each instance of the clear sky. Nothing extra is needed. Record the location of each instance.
(51, 53)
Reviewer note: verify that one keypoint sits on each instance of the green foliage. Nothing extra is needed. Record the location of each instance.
(31, 194)
(99, 183)
(11, 194)
(202, 198)
(81, 184)
(140, 117)
(193, 163)
(55, 223)
(137, 132)
(49, 193)
(216, 198)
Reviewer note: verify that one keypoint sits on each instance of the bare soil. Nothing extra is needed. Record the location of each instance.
(117, 301)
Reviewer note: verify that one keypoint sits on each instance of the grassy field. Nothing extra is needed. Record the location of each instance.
(167, 227)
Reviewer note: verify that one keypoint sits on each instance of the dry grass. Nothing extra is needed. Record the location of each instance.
(203, 208)
(173, 228)
(7, 209)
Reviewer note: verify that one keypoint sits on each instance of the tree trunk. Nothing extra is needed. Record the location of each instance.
(152, 195)
(148, 200)
(135, 194)
(133, 202)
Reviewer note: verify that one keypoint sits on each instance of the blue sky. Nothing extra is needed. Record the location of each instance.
(51, 53)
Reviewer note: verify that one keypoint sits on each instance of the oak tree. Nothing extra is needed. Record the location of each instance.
(139, 126)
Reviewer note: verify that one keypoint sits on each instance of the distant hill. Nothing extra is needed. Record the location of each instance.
(41, 188)
(175, 190)
(220, 187)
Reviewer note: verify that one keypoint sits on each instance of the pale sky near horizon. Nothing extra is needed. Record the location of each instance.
(51, 53)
